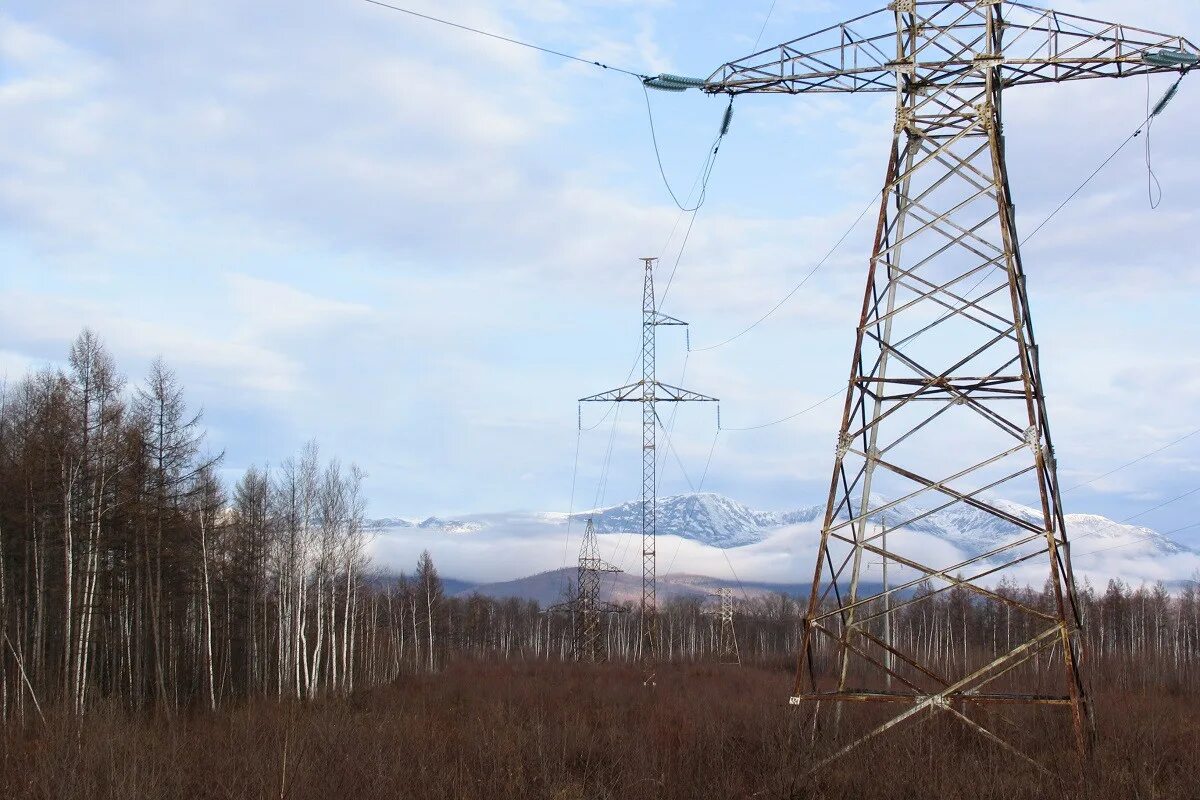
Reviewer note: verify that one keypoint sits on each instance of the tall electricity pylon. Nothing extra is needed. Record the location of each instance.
(649, 392)
(945, 410)
(727, 646)
(585, 606)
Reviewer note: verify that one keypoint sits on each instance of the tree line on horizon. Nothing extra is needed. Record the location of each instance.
(131, 573)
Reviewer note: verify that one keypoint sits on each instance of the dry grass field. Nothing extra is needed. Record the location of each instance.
(553, 730)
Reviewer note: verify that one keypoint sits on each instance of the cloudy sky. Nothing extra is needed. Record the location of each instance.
(419, 246)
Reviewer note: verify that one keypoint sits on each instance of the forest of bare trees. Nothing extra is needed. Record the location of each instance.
(127, 568)
(130, 571)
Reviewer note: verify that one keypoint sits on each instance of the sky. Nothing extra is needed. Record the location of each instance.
(419, 247)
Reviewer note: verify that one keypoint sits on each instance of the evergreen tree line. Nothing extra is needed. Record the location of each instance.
(130, 573)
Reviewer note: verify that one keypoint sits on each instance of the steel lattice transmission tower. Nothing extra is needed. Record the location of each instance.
(649, 391)
(585, 606)
(945, 410)
(727, 646)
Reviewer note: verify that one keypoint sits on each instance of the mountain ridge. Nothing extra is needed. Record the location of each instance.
(720, 521)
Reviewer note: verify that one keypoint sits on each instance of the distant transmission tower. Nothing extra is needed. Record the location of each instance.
(727, 646)
(649, 392)
(945, 409)
(586, 607)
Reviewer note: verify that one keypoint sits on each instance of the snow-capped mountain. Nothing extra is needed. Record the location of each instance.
(450, 525)
(708, 534)
(719, 521)
(429, 523)
(975, 530)
(709, 518)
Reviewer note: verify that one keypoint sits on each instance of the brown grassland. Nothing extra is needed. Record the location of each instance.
(559, 730)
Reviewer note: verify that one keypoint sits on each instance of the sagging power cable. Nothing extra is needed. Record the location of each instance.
(710, 160)
(1153, 535)
(763, 29)
(798, 286)
(1130, 463)
(510, 40)
(1152, 184)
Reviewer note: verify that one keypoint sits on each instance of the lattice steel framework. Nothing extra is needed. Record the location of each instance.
(585, 606)
(649, 392)
(727, 646)
(945, 412)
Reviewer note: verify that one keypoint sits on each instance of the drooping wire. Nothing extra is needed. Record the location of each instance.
(687, 235)
(1143, 125)
(671, 448)
(710, 159)
(682, 376)
(762, 29)
(599, 422)
(697, 488)
(1176, 499)
(571, 508)
(602, 484)
(1132, 542)
(1152, 184)
(1142, 513)
(510, 40)
(801, 412)
(798, 286)
(602, 487)
(678, 257)
(1127, 464)
(729, 563)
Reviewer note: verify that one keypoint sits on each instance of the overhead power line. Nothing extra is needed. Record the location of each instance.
(763, 29)
(795, 288)
(1175, 499)
(709, 162)
(509, 39)
(1127, 464)
(801, 412)
(1156, 534)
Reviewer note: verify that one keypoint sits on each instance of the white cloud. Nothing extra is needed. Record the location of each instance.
(420, 244)
(269, 307)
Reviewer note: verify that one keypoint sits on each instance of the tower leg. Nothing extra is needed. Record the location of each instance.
(944, 420)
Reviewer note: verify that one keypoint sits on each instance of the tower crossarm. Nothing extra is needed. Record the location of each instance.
(598, 565)
(663, 393)
(631, 393)
(605, 607)
(952, 44)
(663, 319)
